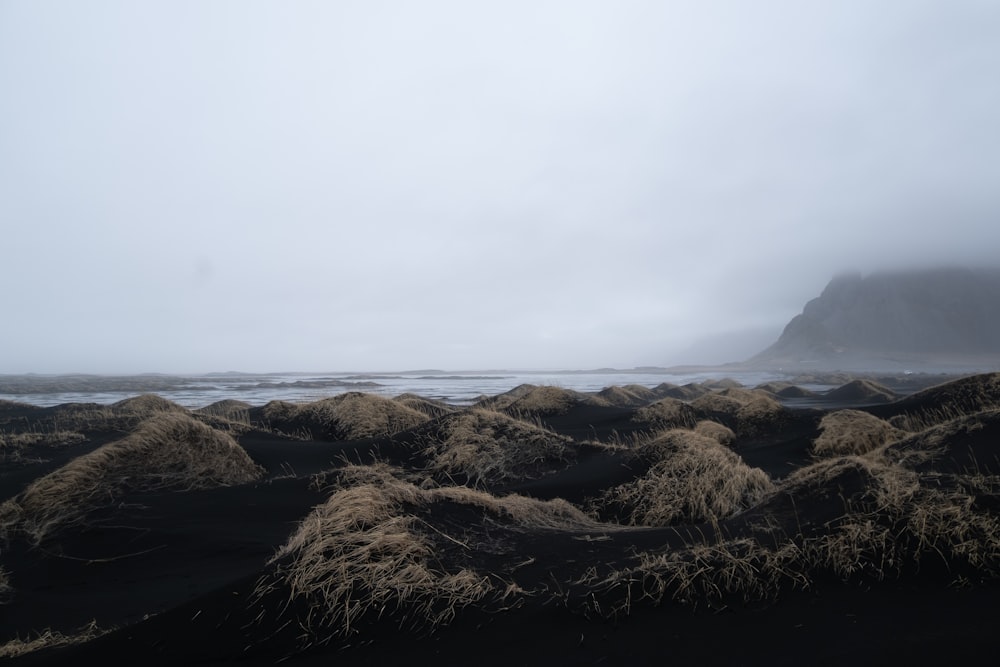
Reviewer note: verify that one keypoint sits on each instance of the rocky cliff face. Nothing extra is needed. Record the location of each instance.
(895, 318)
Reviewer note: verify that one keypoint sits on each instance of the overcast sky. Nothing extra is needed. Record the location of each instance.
(205, 186)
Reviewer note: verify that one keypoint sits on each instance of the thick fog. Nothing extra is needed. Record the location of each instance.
(261, 186)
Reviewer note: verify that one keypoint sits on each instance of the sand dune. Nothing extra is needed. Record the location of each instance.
(536, 527)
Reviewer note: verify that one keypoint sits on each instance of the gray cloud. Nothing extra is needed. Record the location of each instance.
(303, 185)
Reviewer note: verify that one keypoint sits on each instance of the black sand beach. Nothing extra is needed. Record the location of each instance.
(709, 524)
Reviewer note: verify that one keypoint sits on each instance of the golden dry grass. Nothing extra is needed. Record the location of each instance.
(532, 400)
(366, 551)
(893, 521)
(747, 412)
(667, 413)
(898, 521)
(693, 478)
(867, 391)
(489, 447)
(146, 405)
(943, 403)
(228, 408)
(167, 451)
(718, 432)
(632, 395)
(431, 408)
(350, 416)
(852, 432)
(122, 416)
(966, 443)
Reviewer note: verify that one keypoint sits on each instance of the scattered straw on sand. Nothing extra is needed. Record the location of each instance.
(48, 639)
(167, 451)
(5, 588)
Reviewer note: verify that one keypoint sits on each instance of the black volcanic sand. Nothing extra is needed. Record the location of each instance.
(176, 573)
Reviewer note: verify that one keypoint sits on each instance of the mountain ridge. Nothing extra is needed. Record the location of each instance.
(891, 319)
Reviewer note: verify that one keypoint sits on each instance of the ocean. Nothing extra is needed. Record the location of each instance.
(459, 388)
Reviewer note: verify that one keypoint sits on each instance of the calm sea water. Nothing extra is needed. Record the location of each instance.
(456, 388)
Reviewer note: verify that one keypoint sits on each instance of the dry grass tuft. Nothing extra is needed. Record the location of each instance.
(945, 402)
(146, 405)
(491, 447)
(693, 478)
(748, 413)
(852, 432)
(367, 552)
(718, 432)
(687, 392)
(866, 391)
(350, 416)
(894, 519)
(431, 408)
(532, 400)
(965, 445)
(228, 409)
(167, 451)
(630, 396)
(667, 413)
(49, 638)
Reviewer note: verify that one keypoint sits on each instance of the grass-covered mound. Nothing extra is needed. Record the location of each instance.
(167, 451)
(852, 432)
(375, 549)
(747, 412)
(629, 396)
(487, 447)
(122, 416)
(349, 416)
(942, 403)
(431, 408)
(690, 478)
(718, 432)
(968, 445)
(227, 408)
(685, 392)
(862, 391)
(666, 413)
(537, 401)
(785, 390)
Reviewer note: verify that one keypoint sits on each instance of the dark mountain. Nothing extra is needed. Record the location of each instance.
(933, 318)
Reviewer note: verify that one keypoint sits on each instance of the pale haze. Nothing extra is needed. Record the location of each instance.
(278, 186)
